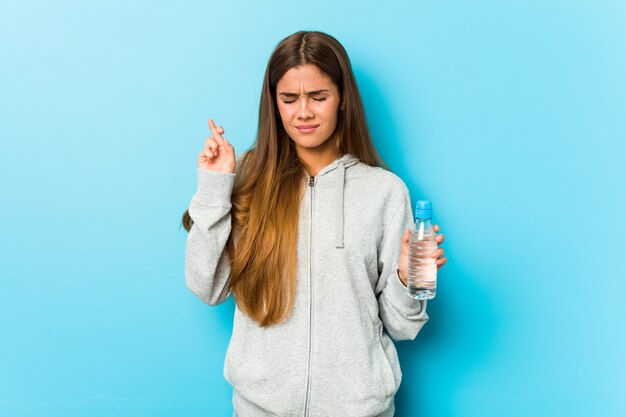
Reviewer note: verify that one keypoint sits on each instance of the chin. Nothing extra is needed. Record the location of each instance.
(306, 141)
(310, 145)
(310, 142)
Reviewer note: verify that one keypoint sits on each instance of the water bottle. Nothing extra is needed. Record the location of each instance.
(422, 273)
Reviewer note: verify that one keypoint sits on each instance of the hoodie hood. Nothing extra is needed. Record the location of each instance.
(340, 164)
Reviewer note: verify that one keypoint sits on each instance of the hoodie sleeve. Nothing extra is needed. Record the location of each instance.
(207, 266)
(402, 316)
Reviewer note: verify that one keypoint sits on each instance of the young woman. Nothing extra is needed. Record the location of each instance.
(310, 235)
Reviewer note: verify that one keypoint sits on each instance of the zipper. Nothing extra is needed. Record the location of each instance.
(308, 378)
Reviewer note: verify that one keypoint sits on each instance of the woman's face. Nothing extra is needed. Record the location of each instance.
(308, 102)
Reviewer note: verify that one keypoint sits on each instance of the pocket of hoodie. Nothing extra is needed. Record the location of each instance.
(390, 379)
(381, 355)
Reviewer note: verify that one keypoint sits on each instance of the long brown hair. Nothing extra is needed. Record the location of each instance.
(269, 181)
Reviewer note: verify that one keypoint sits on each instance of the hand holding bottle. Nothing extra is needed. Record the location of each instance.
(218, 154)
(403, 263)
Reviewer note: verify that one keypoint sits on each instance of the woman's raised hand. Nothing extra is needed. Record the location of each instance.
(218, 154)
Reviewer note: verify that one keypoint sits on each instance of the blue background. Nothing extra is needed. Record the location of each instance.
(509, 115)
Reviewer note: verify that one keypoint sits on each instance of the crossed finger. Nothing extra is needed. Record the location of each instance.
(216, 131)
(213, 143)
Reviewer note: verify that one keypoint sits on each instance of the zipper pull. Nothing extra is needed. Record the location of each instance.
(311, 181)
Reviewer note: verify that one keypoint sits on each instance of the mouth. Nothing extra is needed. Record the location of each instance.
(306, 128)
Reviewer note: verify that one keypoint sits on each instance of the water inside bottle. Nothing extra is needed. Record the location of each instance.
(422, 273)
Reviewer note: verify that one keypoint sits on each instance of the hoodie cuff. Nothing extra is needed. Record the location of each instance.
(400, 295)
(214, 188)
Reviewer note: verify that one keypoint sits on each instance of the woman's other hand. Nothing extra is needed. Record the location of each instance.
(218, 154)
(403, 263)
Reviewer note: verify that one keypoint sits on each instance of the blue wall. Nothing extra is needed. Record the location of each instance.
(508, 115)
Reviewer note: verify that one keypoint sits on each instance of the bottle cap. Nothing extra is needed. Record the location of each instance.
(424, 210)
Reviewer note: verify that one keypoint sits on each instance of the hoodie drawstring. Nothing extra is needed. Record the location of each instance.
(339, 205)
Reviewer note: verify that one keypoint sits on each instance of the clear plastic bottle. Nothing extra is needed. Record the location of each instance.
(422, 271)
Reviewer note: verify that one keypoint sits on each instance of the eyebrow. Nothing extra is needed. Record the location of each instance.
(310, 93)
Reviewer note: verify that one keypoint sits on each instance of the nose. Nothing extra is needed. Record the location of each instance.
(304, 111)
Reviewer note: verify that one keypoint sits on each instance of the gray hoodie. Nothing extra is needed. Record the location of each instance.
(334, 355)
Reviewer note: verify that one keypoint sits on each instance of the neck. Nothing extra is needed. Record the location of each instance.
(314, 160)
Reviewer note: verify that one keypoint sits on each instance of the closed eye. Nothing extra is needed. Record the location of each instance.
(293, 101)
